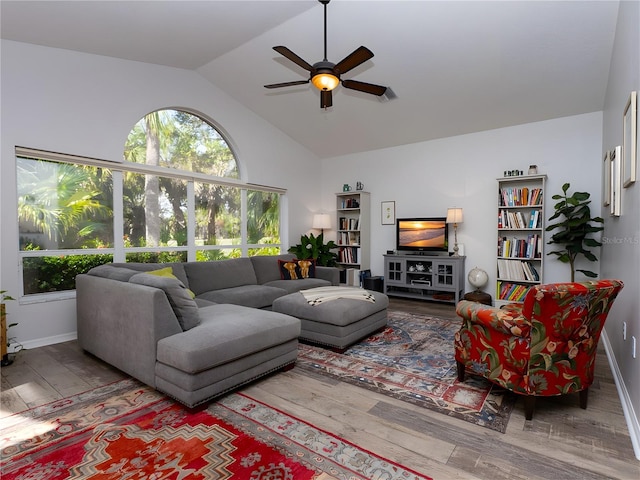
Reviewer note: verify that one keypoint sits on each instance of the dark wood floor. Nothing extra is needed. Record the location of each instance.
(561, 442)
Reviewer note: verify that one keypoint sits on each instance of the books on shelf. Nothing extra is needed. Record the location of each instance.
(348, 255)
(349, 203)
(512, 292)
(519, 220)
(517, 270)
(514, 247)
(519, 197)
(345, 223)
(349, 238)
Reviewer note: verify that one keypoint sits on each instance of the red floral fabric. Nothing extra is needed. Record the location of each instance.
(544, 347)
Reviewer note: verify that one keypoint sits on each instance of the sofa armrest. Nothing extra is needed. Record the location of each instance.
(332, 274)
(493, 317)
(121, 323)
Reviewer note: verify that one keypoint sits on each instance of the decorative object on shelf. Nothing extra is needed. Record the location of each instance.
(616, 176)
(533, 169)
(606, 180)
(346, 187)
(359, 186)
(629, 141)
(574, 228)
(314, 247)
(388, 211)
(321, 221)
(4, 339)
(478, 278)
(455, 216)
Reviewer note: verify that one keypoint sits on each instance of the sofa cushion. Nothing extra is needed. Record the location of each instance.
(267, 268)
(227, 332)
(112, 272)
(184, 307)
(177, 269)
(216, 275)
(168, 272)
(256, 296)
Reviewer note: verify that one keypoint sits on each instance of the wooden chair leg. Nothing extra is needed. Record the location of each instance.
(584, 396)
(460, 370)
(529, 403)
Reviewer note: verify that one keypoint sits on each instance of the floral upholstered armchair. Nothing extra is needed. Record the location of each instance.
(543, 347)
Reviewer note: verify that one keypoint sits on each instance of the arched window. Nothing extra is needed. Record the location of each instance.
(180, 140)
(176, 197)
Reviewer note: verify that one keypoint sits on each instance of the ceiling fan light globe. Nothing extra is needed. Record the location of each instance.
(325, 81)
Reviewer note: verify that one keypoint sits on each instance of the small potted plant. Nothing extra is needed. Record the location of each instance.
(4, 340)
(314, 247)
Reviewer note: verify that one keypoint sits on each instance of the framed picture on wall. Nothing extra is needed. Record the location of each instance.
(388, 211)
(629, 141)
(606, 180)
(616, 184)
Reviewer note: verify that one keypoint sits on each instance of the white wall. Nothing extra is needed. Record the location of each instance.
(424, 179)
(86, 105)
(621, 253)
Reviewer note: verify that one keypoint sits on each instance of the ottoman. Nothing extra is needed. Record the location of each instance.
(338, 320)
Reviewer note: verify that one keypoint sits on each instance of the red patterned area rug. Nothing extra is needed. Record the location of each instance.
(126, 430)
(413, 360)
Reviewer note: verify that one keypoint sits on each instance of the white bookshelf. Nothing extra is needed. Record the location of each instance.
(520, 240)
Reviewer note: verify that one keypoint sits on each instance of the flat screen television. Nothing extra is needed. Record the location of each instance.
(426, 234)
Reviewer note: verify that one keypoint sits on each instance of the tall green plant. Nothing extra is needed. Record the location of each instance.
(573, 229)
(314, 247)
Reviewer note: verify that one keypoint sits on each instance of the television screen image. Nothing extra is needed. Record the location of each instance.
(422, 234)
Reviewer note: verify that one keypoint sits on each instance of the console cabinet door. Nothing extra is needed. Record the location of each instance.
(395, 271)
(445, 275)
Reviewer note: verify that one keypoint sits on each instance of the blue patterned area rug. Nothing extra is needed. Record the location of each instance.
(412, 359)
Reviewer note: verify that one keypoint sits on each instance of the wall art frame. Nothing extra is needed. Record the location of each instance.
(388, 212)
(616, 184)
(630, 140)
(606, 180)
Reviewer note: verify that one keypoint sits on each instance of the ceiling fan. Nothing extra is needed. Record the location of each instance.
(325, 75)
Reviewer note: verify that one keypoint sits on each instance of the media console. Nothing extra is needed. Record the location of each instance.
(437, 278)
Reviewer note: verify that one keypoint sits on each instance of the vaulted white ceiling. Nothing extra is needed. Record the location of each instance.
(456, 67)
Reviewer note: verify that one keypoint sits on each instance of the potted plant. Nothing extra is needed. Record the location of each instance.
(573, 229)
(4, 340)
(314, 247)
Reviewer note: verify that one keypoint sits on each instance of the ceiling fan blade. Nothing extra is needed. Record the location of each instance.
(326, 99)
(364, 87)
(287, 84)
(285, 52)
(355, 58)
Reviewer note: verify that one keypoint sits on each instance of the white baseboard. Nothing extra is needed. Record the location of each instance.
(633, 424)
(43, 342)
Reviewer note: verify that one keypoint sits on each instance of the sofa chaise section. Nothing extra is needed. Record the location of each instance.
(135, 327)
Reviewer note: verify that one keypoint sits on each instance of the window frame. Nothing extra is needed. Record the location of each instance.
(119, 251)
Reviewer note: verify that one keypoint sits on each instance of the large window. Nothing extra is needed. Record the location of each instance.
(176, 197)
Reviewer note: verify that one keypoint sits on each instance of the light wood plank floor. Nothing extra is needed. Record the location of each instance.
(561, 442)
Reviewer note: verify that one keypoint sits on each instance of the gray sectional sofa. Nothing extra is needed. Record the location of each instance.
(200, 332)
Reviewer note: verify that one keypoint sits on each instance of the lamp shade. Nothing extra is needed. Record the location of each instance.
(454, 215)
(321, 221)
